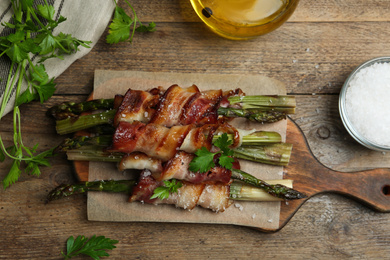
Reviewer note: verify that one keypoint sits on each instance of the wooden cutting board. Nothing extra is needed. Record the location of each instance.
(309, 175)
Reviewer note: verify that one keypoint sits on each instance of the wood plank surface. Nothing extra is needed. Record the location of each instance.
(312, 54)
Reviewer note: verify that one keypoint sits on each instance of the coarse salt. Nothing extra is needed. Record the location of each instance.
(367, 103)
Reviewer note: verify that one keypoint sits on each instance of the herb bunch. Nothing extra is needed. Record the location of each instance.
(31, 38)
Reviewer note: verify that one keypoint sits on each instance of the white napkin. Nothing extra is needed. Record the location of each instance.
(86, 20)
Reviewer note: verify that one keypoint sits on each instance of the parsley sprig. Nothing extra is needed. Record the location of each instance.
(204, 159)
(164, 191)
(31, 37)
(122, 27)
(94, 247)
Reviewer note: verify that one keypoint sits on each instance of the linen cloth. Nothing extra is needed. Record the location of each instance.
(86, 20)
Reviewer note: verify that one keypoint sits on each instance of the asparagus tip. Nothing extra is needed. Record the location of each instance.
(61, 191)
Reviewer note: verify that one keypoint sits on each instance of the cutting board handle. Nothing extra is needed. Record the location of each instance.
(371, 187)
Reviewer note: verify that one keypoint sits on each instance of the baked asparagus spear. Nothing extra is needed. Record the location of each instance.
(258, 191)
(72, 109)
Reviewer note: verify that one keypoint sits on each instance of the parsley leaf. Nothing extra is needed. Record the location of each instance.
(226, 161)
(204, 159)
(94, 247)
(123, 27)
(169, 187)
(120, 27)
(13, 174)
(223, 143)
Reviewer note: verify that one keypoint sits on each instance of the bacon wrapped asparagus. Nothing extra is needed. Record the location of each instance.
(175, 106)
(217, 197)
(259, 146)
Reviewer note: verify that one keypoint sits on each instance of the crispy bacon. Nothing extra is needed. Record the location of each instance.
(136, 105)
(140, 161)
(215, 197)
(211, 196)
(202, 108)
(171, 105)
(154, 140)
(199, 137)
(175, 106)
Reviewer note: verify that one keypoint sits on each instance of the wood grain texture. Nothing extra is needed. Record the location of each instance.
(312, 53)
(307, 57)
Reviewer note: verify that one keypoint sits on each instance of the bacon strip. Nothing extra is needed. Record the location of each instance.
(175, 106)
(202, 108)
(154, 140)
(214, 197)
(140, 161)
(171, 105)
(136, 105)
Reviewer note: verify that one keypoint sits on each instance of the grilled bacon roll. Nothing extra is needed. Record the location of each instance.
(175, 106)
(211, 196)
(161, 142)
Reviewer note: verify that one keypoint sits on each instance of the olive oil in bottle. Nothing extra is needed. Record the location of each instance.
(243, 19)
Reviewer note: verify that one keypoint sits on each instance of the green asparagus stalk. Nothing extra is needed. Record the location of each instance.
(275, 154)
(254, 115)
(275, 102)
(93, 153)
(238, 190)
(81, 141)
(71, 109)
(246, 192)
(276, 190)
(71, 125)
(66, 190)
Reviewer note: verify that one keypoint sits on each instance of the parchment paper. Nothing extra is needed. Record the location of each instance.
(115, 207)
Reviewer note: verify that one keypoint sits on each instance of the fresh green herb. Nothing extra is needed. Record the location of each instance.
(204, 159)
(123, 27)
(32, 35)
(94, 247)
(169, 187)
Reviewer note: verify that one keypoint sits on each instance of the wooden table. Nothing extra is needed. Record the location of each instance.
(312, 54)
